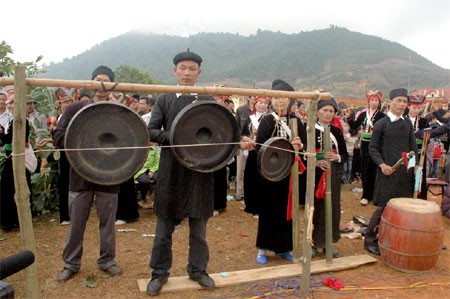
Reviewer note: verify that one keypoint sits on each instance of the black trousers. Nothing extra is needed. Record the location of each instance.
(369, 172)
(220, 189)
(161, 260)
(127, 208)
(371, 237)
(63, 184)
(145, 184)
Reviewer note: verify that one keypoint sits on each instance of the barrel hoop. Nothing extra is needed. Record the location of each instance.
(415, 230)
(406, 254)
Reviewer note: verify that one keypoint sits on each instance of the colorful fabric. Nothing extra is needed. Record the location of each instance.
(416, 100)
(333, 283)
(322, 186)
(64, 94)
(374, 93)
(301, 169)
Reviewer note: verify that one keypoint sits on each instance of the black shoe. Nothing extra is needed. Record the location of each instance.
(346, 230)
(156, 283)
(10, 228)
(65, 275)
(362, 231)
(374, 249)
(203, 279)
(335, 254)
(364, 221)
(114, 270)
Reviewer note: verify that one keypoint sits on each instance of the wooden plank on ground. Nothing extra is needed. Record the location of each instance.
(183, 283)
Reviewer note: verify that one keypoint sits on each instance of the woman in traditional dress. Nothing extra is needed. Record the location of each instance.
(9, 219)
(252, 178)
(366, 120)
(274, 230)
(332, 160)
(419, 123)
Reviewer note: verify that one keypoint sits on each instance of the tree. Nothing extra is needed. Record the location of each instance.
(128, 74)
(7, 64)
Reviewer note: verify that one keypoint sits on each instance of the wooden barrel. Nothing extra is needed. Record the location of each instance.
(411, 234)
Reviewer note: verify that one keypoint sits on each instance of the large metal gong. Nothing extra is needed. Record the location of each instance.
(204, 123)
(106, 125)
(275, 159)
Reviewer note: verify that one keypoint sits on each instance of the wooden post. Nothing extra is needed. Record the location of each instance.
(328, 206)
(310, 187)
(295, 199)
(22, 193)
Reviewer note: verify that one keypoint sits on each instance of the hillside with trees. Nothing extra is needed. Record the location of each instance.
(334, 59)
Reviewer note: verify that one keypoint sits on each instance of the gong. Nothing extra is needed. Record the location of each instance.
(106, 127)
(275, 159)
(195, 131)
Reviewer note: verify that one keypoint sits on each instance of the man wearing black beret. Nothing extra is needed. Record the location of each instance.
(181, 192)
(392, 135)
(81, 196)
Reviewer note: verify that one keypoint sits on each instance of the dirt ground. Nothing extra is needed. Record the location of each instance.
(231, 237)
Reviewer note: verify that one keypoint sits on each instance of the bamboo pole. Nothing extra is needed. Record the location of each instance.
(310, 186)
(328, 206)
(22, 193)
(423, 154)
(295, 199)
(132, 87)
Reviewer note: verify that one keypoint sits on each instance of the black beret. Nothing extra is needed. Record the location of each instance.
(103, 70)
(398, 92)
(85, 93)
(330, 102)
(279, 84)
(188, 55)
(342, 105)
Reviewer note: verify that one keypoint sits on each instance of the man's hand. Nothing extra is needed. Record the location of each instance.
(331, 156)
(323, 164)
(386, 169)
(297, 144)
(247, 143)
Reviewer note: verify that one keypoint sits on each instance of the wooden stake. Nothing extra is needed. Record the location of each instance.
(328, 200)
(295, 199)
(22, 193)
(310, 187)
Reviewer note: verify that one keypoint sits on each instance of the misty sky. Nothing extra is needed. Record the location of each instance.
(62, 29)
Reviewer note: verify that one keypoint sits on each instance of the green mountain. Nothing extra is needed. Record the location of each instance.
(343, 62)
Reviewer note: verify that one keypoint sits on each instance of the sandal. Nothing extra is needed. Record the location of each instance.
(261, 259)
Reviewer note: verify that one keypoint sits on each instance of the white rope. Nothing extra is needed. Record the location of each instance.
(161, 146)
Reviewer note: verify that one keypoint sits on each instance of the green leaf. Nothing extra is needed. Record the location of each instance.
(57, 155)
(89, 282)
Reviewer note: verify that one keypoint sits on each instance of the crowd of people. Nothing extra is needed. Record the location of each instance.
(365, 144)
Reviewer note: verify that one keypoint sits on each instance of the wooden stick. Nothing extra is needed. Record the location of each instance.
(22, 194)
(310, 186)
(328, 206)
(295, 199)
(401, 161)
(134, 88)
